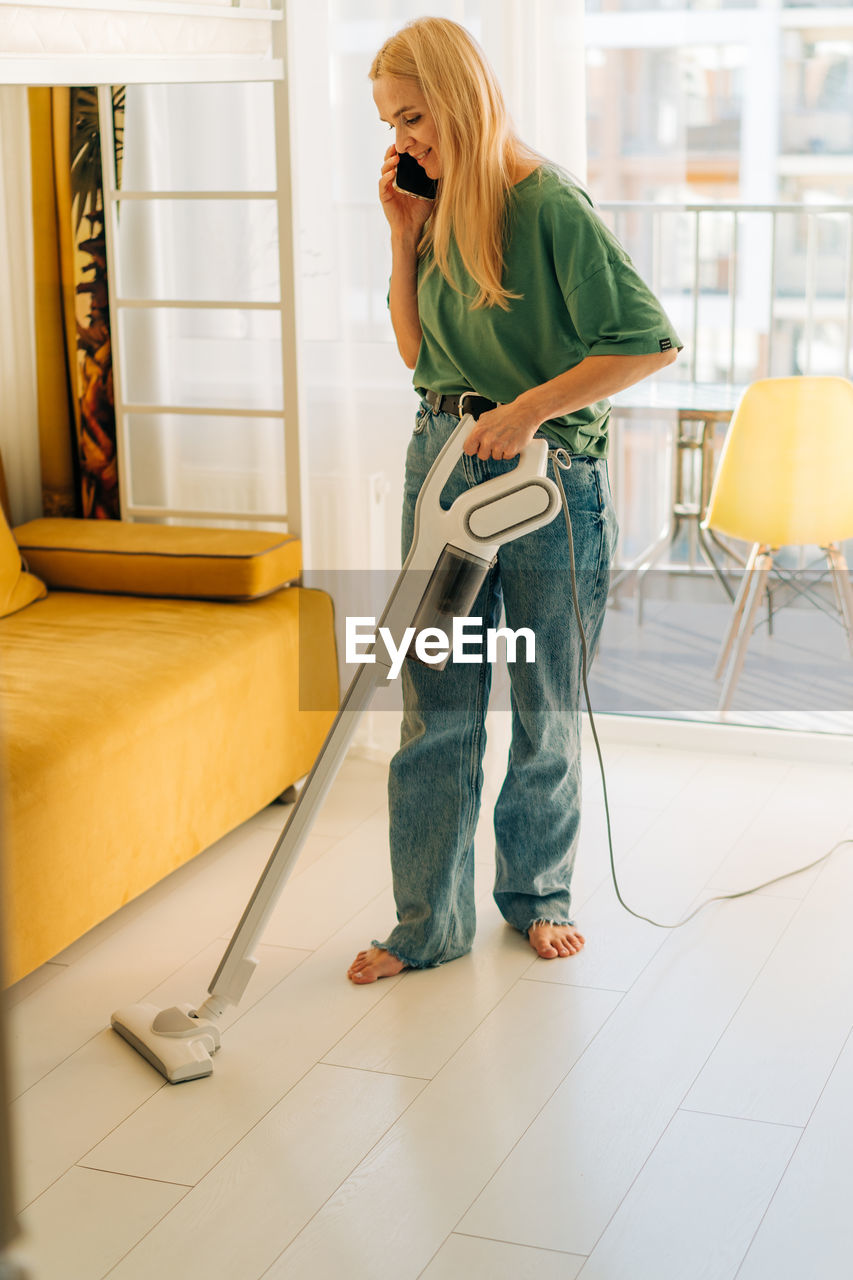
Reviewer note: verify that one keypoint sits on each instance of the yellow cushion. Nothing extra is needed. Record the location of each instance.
(159, 560)
(17, 587)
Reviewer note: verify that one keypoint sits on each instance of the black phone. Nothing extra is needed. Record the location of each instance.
(411, 178)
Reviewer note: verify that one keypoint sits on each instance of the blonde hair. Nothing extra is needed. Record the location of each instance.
(478, 144)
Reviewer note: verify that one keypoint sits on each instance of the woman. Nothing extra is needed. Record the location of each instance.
(509, 287)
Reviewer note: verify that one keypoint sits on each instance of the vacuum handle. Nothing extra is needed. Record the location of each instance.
(450, 454)
(532, 461)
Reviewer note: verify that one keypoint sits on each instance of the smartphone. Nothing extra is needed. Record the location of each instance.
(411, 178)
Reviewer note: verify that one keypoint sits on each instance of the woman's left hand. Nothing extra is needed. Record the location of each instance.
(502, 432)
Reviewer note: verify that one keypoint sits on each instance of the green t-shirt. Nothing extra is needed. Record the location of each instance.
(581, 297)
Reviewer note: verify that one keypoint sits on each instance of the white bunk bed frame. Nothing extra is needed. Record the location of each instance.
(111, 42)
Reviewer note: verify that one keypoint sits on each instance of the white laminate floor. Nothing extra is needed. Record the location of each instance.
(669, 1104)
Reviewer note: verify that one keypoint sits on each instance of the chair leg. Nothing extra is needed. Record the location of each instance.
(650, 559)
(759, 576)
(738, 611)
(843, 590)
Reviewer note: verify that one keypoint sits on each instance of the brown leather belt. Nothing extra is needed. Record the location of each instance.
(459, 405)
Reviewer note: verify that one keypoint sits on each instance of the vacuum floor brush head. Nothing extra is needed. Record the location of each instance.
(176, 1041)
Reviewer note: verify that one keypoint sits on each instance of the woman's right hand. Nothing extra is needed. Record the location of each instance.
(406, 214)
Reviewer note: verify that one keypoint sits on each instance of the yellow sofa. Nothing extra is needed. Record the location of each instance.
(139, 725)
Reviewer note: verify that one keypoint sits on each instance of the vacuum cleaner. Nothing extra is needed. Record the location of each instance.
(452, 551)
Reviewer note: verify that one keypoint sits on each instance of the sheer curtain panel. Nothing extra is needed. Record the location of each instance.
(19, 440)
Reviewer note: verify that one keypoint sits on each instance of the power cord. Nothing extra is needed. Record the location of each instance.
(562, 462)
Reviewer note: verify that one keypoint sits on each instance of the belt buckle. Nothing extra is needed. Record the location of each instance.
(462, 401)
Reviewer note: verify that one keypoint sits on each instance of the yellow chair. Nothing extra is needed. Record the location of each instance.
(785, 478)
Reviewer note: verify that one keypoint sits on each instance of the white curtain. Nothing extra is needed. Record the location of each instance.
(359, 399)
(195, 139)
(19, 441)
(357, 393)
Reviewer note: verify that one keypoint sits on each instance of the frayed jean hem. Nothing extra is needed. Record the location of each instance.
(398, 955)
(541, 920)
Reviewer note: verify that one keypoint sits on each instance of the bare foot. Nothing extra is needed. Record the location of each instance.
(372, 964)
(552, 940)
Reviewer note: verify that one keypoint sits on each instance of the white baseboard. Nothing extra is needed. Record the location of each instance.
(379, 733)
(728, 739)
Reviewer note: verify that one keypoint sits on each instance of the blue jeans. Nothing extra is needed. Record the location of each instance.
(436, 776)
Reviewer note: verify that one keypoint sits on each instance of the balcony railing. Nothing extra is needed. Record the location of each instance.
(755, 289)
